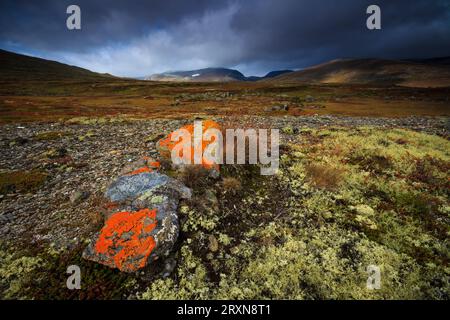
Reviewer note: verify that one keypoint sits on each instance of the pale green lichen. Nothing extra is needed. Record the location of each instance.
(192, 281)
(287, 130)
(157, 199)
(287, 237)
(225, 239)
(323, 239)
(197, 220)
(15, 272)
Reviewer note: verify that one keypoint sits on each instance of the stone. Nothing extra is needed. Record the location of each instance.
(213, 243)
(212, 199)
(54, 153)
(166, 145)
(137, 186)
(283, 107)
(20, 141)
(141, 221)
(79, 196)
(126, 241)
(154, 137)
(213, 173)
(309, 98)
(169, 267)
(130, 167)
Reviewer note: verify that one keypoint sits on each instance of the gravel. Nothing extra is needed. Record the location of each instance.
(83, 162)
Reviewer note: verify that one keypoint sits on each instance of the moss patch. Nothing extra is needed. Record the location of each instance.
(344, 199)
(21, 181)
(50, 135)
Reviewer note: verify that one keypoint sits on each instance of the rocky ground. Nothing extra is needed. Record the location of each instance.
(53, 176)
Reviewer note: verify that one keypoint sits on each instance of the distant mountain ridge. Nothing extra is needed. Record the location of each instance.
(209, 75)
(277, 73)
(434, 72)
(199, 75)
(412, 73)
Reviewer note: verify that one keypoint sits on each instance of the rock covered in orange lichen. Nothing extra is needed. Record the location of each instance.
(145, 164)
(140, 170)
(141, 221)
(166, 145)
(155, 164)
(127, 240)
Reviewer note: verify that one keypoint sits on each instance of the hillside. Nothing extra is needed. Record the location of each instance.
(435, 61)
(426, 73)
(211, 75)
(15, 67)
(273, 74)
(200, 75)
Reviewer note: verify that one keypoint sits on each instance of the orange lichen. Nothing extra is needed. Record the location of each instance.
(140, 170)
(155, 164)
(167, 145)
(125, 241)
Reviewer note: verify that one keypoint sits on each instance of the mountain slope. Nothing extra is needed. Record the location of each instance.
(273, 74)
(200, 75)
(434, 61)
(210, 74)
(14, 66)
(373, 71)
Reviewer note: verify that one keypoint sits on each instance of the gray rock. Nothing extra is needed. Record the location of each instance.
(212, 199)
(283, 107)
(143, 226)
(79, 196)
(309, 98)
(169, 266)
(132, 166)
(131, 186)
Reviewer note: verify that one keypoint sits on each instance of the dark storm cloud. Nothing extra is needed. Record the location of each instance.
(141, 37)
(313, 31)
(42, 24)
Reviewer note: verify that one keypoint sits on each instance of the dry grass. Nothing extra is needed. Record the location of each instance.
(385, 108)
(21, 181)
(194, 176)
(231, 185)
(96, 218)
(324, 176)
(59, 101)
(375, 163)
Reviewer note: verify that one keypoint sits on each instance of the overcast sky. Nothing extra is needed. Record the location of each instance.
(138, 38)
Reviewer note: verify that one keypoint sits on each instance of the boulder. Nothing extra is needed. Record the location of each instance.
(309, 98)
(283, 107)
(78, 196)
(141, 221)
(166, 145)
